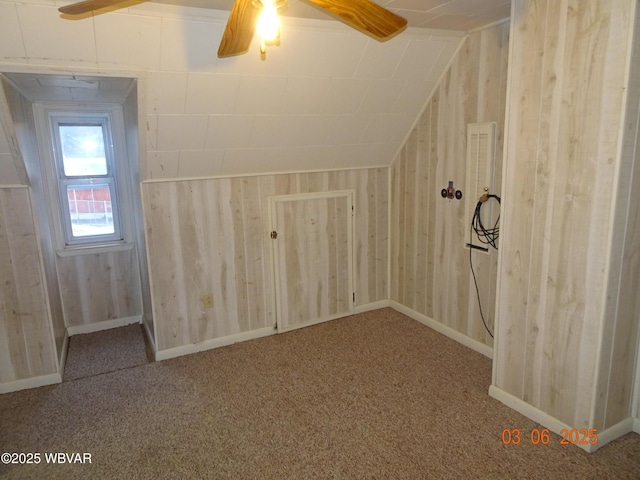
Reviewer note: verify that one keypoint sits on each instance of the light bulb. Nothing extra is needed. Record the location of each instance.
(268, 24)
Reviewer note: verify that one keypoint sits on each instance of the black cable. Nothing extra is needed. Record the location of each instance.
(486, 236)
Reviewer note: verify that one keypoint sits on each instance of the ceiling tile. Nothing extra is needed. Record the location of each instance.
(182, 132)
(347, 129)
(162, 164)
(417, 5)
(189, 45)
(339, 55)
(380, 59)
(11, 40)
(207, 93)
(136, 45)
(289, 130)
(420, 55)
(260, 94)
(345, 95)
(298, 158)
(389, 127)
(166, 92)
(296, 55)
(239, 161)
(304, 95)
(350, 156)
(200, 163)
(229, 131)
(152, 132)
(60, 40)
(381, 96)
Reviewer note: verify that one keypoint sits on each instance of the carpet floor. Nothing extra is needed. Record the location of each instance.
(374, 395)
(105, 351)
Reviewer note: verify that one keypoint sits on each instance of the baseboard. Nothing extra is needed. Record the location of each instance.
(367, 307)
(104, 325)
(150, 339)
(33, 382)
(636, 425)
(63, 357)
(556, 426)
(213, 343)
(469, 342)
(612, 433)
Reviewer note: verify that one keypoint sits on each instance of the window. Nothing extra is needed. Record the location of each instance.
(86, 178)
(83, 159)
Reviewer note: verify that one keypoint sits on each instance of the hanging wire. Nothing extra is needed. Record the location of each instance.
(488, 236)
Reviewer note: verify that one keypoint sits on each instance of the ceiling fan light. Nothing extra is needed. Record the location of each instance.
(268, 24)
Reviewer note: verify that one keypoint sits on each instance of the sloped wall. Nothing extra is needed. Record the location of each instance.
(430, 271)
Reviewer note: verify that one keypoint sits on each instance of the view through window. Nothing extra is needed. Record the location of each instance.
(86, 177)
(83, 155)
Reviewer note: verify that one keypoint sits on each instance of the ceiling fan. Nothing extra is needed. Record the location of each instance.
(363, 15)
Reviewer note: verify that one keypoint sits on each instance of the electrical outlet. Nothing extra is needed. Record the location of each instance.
(207, 300)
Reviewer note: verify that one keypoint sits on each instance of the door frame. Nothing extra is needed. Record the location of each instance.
(276, 306)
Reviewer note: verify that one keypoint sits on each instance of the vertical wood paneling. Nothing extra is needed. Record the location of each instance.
(567, 83)
(24, 143)
(99, 287)
(431, 152)
(381, 248)
(614, 399)
(212, 237)
(256, 250)
(430, 266)
(313, 261)
(25, 322)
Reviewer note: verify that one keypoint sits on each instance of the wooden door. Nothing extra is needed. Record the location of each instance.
(312, 237)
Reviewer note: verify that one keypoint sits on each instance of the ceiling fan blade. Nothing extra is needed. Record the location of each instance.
(89, 6)
(366, 16)
(240, 28)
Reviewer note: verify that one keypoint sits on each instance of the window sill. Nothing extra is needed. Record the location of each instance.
(93, 249)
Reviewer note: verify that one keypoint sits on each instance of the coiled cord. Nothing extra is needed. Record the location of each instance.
(488, 236)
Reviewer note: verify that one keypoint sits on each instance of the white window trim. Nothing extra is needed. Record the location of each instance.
(44, 111)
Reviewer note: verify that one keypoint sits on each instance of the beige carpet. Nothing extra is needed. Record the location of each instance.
(375, 395)
(105, 351)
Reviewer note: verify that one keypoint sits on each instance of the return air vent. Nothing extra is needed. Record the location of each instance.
(481, 143)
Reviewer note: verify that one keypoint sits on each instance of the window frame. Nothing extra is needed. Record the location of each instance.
(49, 116)
(64, 181)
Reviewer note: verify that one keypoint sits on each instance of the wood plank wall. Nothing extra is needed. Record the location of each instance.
(564, 111)
(430, 269)
(100, 286)
(26, 339)
(211, 236)
(133, 117)
(620, 337)
(19, 111)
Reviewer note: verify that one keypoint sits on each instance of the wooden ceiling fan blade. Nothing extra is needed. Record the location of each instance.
(366, 16)
(90, 5)
(240, 28)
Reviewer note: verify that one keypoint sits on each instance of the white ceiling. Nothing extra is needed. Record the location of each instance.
(327, 98)
(462, 15)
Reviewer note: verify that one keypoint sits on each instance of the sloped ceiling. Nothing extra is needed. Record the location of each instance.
(463, 15)
(326, 98)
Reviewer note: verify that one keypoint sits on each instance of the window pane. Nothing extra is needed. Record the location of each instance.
(90, 210)
(82, 150)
